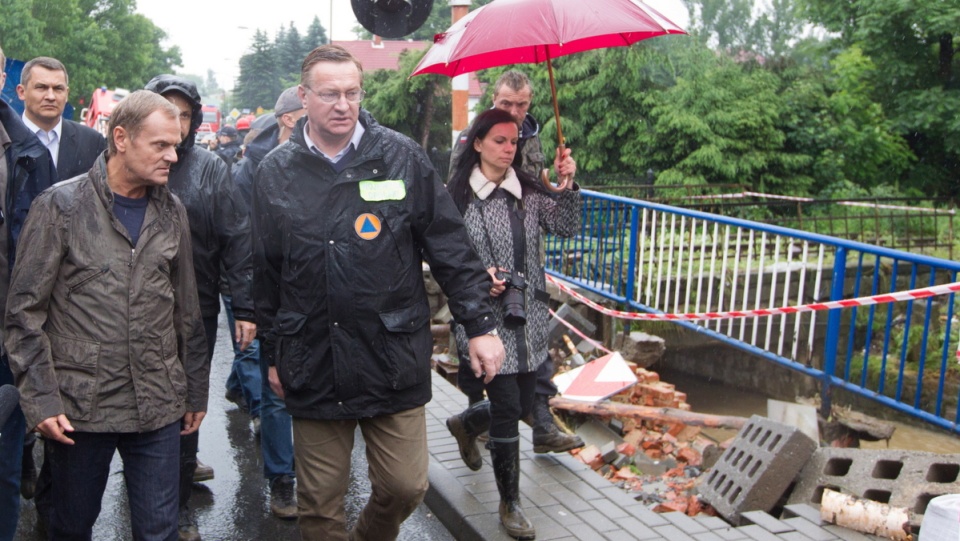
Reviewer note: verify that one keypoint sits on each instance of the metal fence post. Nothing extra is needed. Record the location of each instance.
(833, 332)
(632, 270)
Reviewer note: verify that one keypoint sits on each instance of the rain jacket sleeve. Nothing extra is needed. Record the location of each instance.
(191, 337)
(267, 250)
(453, 262)
(26, 343)
(233, 227)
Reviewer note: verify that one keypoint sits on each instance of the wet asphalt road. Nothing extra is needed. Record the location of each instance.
(235, 505)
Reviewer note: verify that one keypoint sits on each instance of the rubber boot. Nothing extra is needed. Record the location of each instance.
(506, 470)
(28, 473)
(547, 437)
(465, 427)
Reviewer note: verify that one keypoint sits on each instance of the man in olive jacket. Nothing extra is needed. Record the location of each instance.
(103, 327)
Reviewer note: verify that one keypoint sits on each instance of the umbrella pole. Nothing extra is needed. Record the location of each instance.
(561, 144)
(556, 106)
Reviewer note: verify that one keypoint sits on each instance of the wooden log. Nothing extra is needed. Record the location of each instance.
(866, 516)
(648, 413)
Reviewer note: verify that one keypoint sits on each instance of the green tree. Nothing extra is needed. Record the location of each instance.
(724, 24)
(102, 42)
(257, 85)
(721, 127)
(290, 53)
(418, 107)
(316, 36)
(912, 46)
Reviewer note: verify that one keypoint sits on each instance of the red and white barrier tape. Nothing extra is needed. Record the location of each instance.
(911, 295)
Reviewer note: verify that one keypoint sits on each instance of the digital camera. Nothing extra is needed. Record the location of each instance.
(514, 304)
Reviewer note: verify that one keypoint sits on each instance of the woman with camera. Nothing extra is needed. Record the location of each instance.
(506, 212)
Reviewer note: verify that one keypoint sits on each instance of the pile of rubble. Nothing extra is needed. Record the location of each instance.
(659, 461)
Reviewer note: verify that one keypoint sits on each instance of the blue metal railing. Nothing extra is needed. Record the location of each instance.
(661, 259)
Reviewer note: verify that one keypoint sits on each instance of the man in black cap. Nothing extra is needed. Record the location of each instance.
(229, 147)
(220, 231)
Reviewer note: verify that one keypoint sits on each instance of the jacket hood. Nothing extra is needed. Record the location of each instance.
(262, 144)
(161, 84)
(530, 127)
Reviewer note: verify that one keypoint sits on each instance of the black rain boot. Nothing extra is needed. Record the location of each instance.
(28, 475)
(465, 427)
(547, 437)
(506, 470)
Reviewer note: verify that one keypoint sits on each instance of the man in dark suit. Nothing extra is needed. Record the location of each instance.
(44, 89)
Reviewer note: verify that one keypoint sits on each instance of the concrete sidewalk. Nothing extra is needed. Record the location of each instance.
(566, 500)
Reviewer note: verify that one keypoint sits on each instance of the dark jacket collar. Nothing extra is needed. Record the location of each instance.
(98, 178)
(23, 143)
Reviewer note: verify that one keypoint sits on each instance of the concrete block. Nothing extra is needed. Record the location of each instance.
(621, 461)
(609, 452)
(900, 478)
(757, 468)
(569, 314)
(642, 348)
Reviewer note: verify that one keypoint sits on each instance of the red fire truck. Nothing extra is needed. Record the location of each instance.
(97, 115)
(211, 119)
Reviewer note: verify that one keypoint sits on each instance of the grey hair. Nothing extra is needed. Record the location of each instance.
(515, 80)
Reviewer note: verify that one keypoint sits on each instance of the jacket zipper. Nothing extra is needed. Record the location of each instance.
(86, 280)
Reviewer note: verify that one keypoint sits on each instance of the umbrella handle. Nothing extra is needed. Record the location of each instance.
(565, 180)
(545, 178)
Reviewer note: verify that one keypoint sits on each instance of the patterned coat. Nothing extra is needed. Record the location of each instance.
(488, 224)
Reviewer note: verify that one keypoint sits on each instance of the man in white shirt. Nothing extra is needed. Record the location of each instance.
(44, 88)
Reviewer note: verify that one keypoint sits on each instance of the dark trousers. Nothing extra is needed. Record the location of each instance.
(473, 387)
(511, 399)
(190, 443)
(80, 474)
(11, 456)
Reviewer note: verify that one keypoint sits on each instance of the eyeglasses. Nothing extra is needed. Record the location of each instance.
(331, 96)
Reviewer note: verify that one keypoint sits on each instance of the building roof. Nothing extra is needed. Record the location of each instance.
(385, 54)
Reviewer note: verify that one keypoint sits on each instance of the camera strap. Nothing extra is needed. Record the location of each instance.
(515, 216)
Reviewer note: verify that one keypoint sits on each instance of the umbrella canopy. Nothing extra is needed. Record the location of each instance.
(484, 38)
(488, 37)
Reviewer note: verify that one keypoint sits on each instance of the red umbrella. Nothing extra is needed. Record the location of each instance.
(529, 31)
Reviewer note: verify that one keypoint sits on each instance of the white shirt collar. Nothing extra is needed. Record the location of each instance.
(34, 129)
(355, 141)
(483, 187)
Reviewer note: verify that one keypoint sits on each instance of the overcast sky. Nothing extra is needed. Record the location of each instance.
(214, 34)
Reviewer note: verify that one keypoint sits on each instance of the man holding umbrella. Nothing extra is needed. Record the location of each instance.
(513, 93)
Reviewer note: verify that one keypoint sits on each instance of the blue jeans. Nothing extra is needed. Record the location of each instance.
(11, 457)
(150, 470)
(276, 430)
(245, 374)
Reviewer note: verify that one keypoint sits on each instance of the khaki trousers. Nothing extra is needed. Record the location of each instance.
(397, 459)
